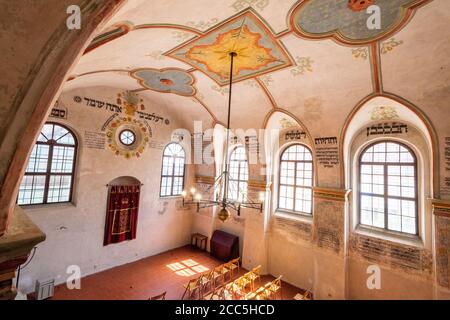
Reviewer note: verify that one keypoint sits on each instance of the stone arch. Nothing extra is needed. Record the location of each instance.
(360, 115)
(39, 92)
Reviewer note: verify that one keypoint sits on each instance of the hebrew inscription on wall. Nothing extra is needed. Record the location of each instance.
(329, 224)
(406, 258)
(327, 151)
(59, 112)
(98, 104)
(446, 182)
(294, 230)
(442, 250)
(387, 128)
(295, 135)
(94, 140)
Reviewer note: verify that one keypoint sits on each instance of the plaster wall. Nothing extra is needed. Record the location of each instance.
(75, 231)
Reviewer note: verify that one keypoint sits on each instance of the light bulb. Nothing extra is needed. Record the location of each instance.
(193, 190)
(198, 197)
(261, 196)
(183, 194)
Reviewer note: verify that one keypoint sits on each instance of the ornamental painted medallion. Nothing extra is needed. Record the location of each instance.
(347, 20)
(257, 50)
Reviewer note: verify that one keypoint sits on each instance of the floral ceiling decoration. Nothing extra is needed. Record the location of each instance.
(362, 53)
(258, 51)
(304, 64)
(389, 45)
(346, 20)
(169, 80)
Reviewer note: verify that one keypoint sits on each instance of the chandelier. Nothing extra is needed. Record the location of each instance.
(243, 201)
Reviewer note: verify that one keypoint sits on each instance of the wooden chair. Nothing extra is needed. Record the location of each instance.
(233, 265)
(161, 296)
(218, 275)
(216, 294)
(205, 280)
(255, 274)
(192, 286)
(226, 270)
(274, 288)
(261, 294)
(245, 281)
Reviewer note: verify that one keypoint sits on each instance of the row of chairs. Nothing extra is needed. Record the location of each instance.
(238, 289)
(209, 281)
(269, 291)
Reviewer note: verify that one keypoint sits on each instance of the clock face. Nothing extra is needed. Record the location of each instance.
(127, 137)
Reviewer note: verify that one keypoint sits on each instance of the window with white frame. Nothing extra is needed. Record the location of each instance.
(50, 170)
(238, 174)
(388, 188)
(172, 174)
(296, 179)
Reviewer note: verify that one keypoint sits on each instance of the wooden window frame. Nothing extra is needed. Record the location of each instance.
(52, 144)
(385, 195)
(173, 176)
(238, 180)
(295, 180)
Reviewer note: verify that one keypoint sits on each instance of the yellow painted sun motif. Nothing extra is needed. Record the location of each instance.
(216, 56)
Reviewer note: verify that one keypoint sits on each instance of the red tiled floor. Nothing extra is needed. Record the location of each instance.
(151, 276)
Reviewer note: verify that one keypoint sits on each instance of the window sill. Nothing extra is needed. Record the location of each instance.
(410, 240)
(170, 197)
(300, 217)
(38, 207)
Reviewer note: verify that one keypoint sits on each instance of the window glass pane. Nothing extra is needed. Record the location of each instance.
(62, 160)
(401, 188)
(31, 190)
(238, 173)
(59, 188)
(172, 170)
(296, 172)
(47, 132)
(40, 168)
(38, 160)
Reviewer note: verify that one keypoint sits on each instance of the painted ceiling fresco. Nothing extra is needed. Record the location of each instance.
(257, 50)
(315, 59)
(347, 19)
(168, 80)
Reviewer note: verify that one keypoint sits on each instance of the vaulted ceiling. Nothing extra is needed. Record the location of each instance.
(314, 59)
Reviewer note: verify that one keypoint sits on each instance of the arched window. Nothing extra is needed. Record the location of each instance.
(172, 175)
(238, 175)
(50, 171)
(388, 188)
(296, 179)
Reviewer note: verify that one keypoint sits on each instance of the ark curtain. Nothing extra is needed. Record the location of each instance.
(122, 214)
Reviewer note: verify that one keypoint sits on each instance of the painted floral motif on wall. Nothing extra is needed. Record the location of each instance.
(141, 133)
(346, 20)
(170, 80)
(384, 113)
(244, 34)
(131, 102)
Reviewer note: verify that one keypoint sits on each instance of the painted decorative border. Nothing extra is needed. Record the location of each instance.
(331, 194)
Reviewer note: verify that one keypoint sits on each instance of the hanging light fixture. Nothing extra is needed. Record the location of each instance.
(223, 180)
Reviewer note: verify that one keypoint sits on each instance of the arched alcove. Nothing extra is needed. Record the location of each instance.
(124, 181)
